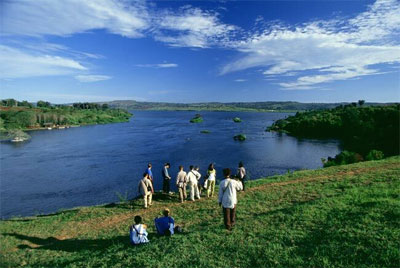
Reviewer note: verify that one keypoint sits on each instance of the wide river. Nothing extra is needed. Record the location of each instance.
(89, 165)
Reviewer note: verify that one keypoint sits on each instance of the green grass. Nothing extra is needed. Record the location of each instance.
(344, 216)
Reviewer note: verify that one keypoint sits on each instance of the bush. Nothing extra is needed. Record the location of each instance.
(240, 137)
(375, 155)
(196, 119)
(237, 120)
(343, 158)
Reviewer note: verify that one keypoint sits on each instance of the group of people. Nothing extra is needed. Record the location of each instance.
(184, 180)
(164, 225)
(227, 197)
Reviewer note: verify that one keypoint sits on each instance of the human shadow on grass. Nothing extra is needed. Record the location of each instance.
(69, 212)
(73, 245)
(137, 202)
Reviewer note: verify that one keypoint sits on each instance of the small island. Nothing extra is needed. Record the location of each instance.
(240, 137)
(196, 119)
(205, 131)
(17, 117)
(237, 120)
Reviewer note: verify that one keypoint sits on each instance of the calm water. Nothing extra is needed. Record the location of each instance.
(86, 166)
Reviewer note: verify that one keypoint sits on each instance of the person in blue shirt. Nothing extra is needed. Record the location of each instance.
(165, 225)
(148, 171)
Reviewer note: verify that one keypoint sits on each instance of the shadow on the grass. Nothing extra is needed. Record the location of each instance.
(73, 245)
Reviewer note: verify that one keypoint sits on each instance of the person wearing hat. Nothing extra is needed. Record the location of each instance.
(137, 232)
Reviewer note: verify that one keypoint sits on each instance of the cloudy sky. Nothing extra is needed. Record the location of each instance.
(195, 51)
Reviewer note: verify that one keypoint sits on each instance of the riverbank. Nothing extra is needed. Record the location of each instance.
(15, 120)
(343, 216)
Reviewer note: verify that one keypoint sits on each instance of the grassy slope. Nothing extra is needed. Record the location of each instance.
(335, 217)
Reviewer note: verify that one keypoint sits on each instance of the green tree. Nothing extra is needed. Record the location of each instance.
(43, 104)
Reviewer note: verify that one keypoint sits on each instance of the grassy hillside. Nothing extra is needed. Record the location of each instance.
(345, 216)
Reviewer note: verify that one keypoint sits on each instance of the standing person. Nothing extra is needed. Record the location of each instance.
(227, 198)
(181, 181)
(241, 173)
(146, 189)
(212, 175)
(166, 178)
(192, 182)
(137, 232)
(148, 171)
(198, 175)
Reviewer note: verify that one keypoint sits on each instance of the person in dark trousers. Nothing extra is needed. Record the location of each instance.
(166, 178)
(227, 198)
(148, 171)
(241, 173)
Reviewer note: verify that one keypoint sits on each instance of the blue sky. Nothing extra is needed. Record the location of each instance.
(200, 51)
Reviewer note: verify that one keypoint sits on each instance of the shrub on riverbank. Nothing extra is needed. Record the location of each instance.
(345, 216)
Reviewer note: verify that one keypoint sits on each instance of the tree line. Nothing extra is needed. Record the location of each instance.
(361, 129)
(20, 115)
(46, 104)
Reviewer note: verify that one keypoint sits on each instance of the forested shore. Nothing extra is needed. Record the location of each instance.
(361, 129)
(15, 115)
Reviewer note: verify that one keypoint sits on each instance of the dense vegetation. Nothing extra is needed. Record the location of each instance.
(196, 119)
(361, 129)
(345, 216)
(24, 115)
(237, 120)
(231, 106)
(239, 137)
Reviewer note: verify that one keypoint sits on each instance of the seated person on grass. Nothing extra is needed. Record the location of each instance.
(166, 225)
(137, 232)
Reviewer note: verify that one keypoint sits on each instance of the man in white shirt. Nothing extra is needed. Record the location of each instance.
(227, 198)
(192, 178)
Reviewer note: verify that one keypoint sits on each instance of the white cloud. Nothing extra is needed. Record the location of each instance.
(19, 64)
(92, 78)
(325, 51)
(191, 27)
(158, 65)
(240, 80)
(67, 17)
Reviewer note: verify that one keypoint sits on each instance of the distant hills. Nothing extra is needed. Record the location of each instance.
(229, 106)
